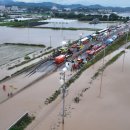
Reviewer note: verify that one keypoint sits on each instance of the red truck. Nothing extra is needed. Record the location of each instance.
(60, 59)
(90, 52)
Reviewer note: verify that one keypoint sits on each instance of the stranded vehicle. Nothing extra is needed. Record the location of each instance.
(60, 59)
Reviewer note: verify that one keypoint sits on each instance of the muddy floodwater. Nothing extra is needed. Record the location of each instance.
(59, 23)
(39, 36)
(49, 37)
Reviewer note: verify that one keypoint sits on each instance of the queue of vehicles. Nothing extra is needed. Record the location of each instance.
(95, 43)
(80, 51)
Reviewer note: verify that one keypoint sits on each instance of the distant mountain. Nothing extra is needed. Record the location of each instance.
(6, 1)
(96, 6)
(42, 4)
(72, 6)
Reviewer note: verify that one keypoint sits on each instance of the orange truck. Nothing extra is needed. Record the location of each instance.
(60, 59)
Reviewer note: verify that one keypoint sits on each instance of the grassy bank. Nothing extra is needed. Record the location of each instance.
(26, 23)
(117, 44)
(128, 47)
(24, 44)
(73, 29)
(23, 123)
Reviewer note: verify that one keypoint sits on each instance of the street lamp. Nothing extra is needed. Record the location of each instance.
(28, 33)
(50, 41)
(63, 89)
(81, 35)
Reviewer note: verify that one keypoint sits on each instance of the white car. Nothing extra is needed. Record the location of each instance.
(114, 37)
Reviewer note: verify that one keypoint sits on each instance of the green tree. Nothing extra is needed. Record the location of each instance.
(113, 17)
(105, 18)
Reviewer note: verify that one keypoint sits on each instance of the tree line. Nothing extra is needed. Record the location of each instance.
(83, 17)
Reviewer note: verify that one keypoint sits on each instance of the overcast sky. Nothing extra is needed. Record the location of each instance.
(122, 3)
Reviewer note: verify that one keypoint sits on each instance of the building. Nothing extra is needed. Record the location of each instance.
(2, 8)
(54, 8)
(67, 9)
(105, 11)
(1, 14)
(14, 8)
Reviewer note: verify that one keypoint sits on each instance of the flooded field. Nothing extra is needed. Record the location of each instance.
(125, 14)
(38, 36)
(62, 23)
(48, 36)
(11, 52)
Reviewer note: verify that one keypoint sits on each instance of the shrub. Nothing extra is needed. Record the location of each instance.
(76, 99)
(23, 123)
(27, 57)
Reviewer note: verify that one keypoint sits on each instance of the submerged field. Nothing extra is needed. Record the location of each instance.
(12, 52)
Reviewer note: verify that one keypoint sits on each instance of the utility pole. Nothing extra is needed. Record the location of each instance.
(62, 79)
(124, 53)
(102, 73)
(50, 41)
(80, 37)
(28, 33)
(94, 28)
(63, 97)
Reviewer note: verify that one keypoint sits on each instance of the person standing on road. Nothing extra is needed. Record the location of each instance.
(4, 88)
